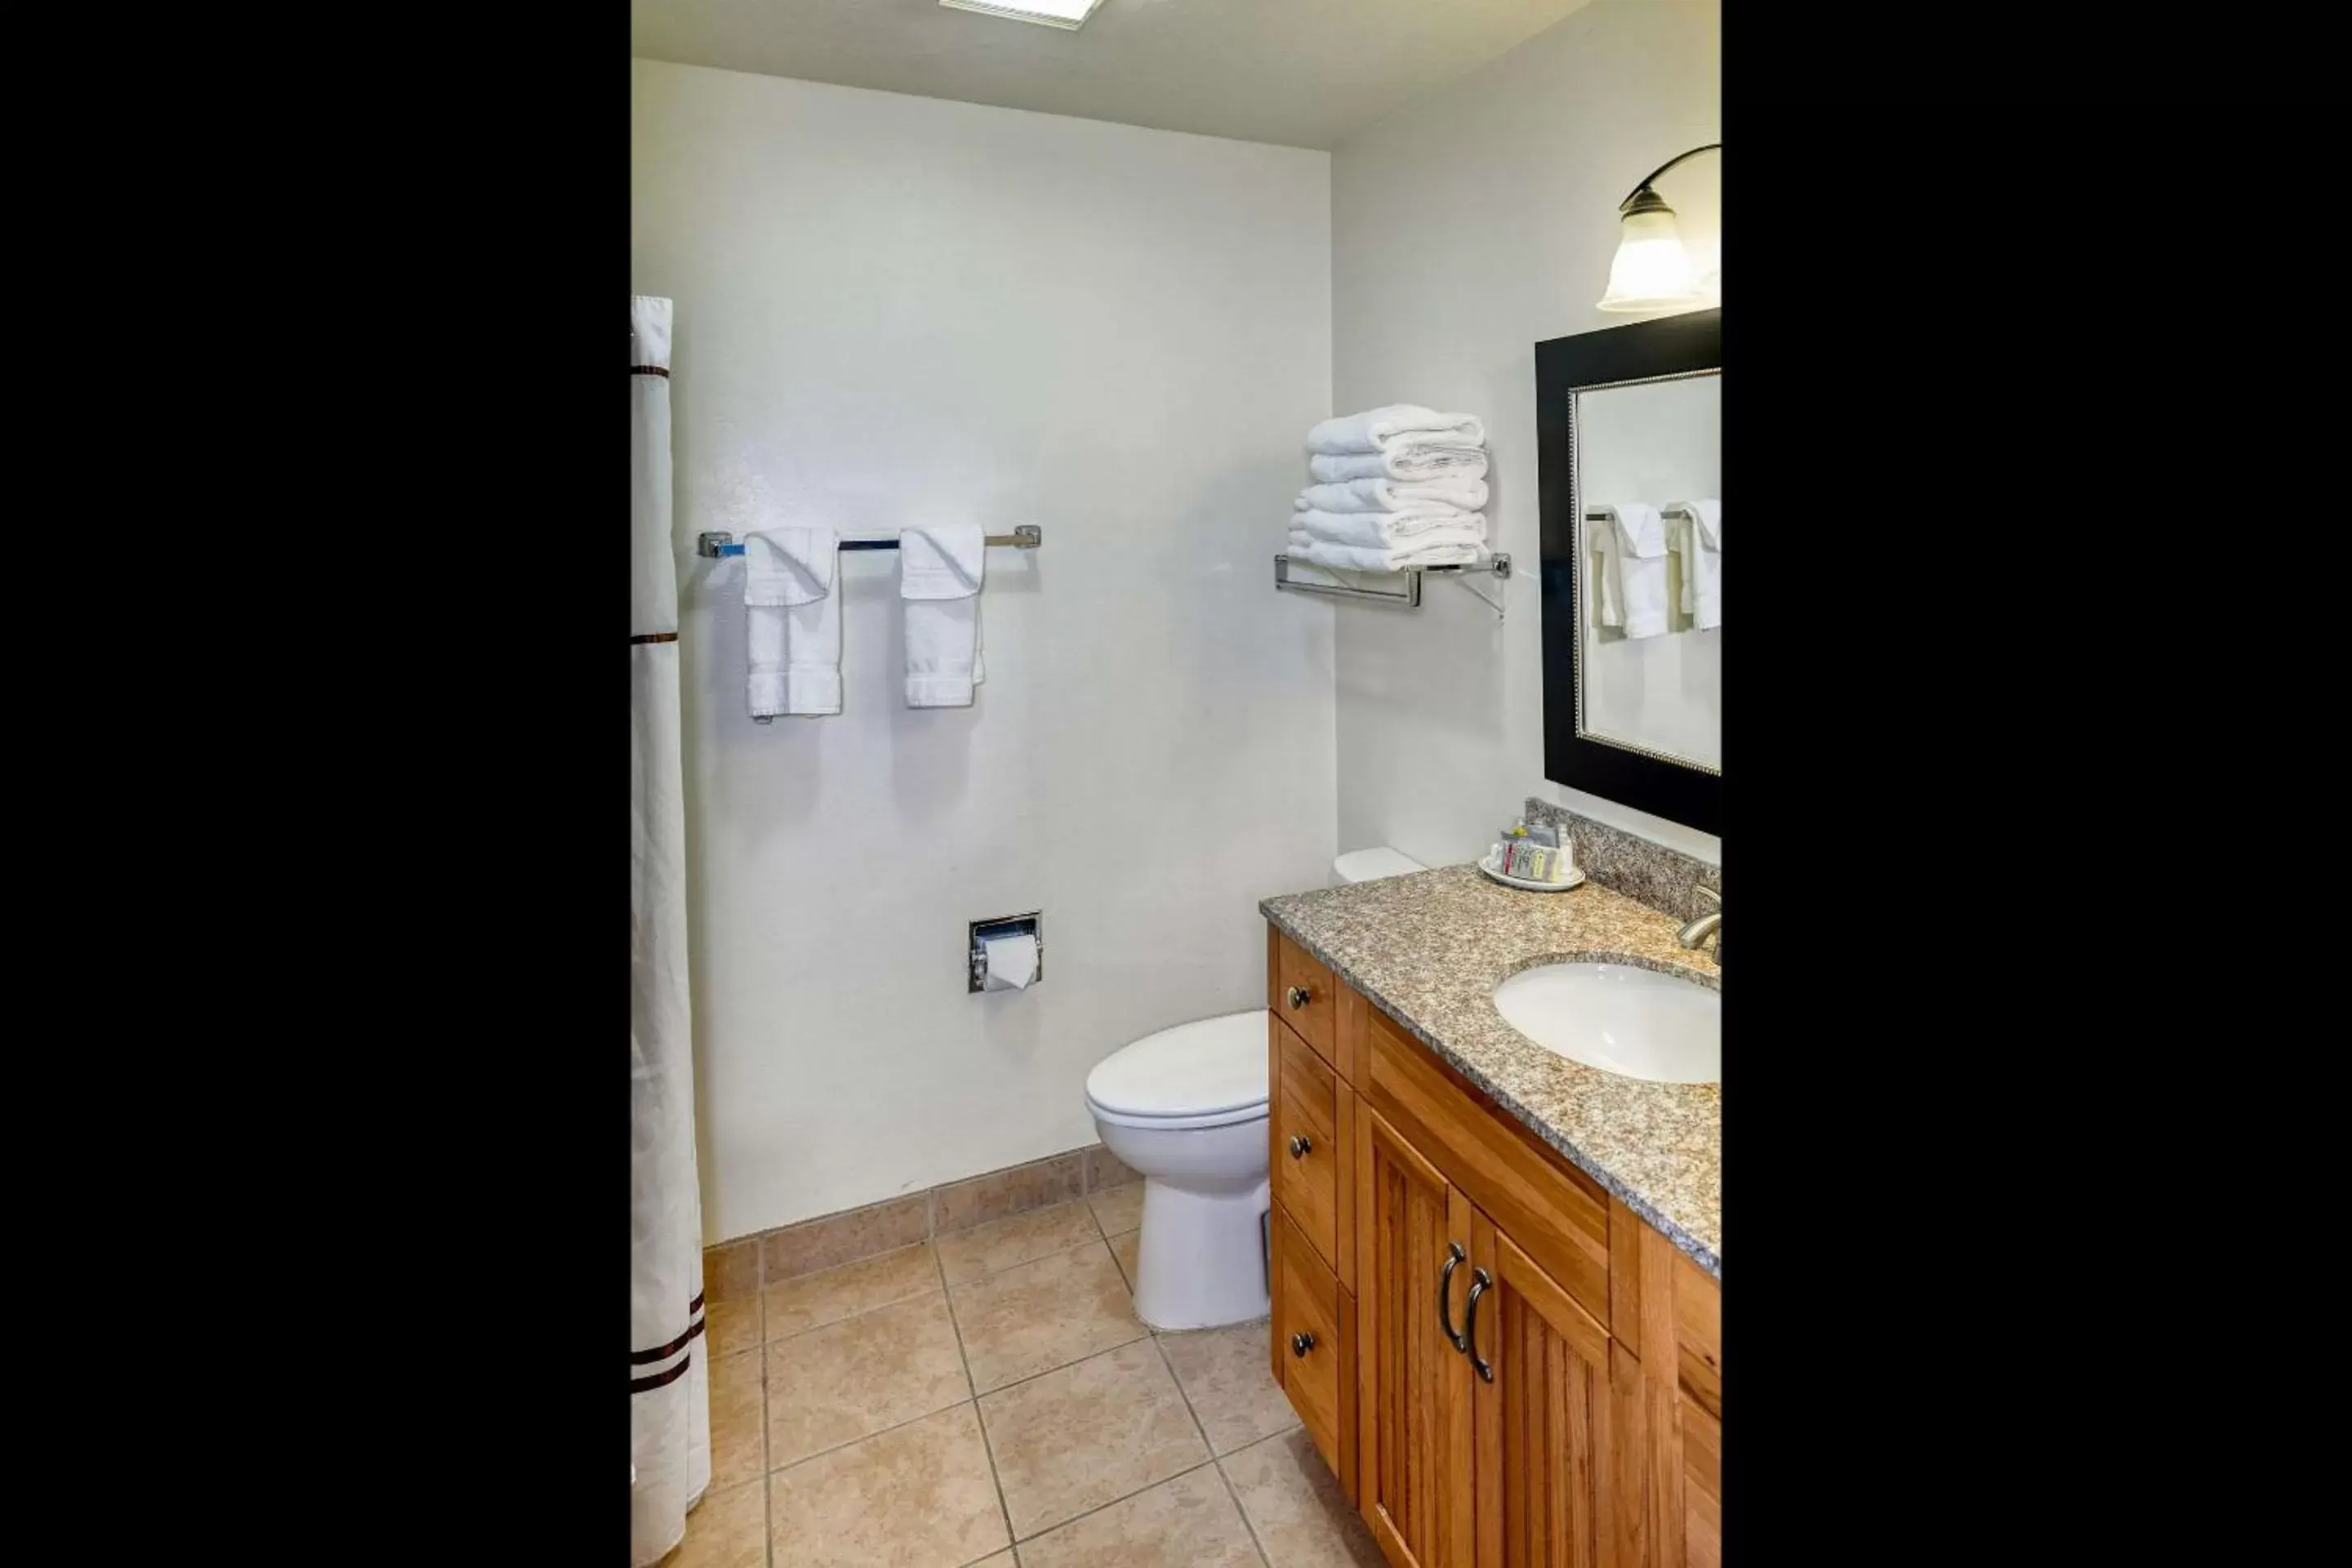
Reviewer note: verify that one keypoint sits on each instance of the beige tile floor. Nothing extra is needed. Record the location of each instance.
(990, 1399)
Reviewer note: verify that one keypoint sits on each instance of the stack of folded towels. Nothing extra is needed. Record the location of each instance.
(1395, 487)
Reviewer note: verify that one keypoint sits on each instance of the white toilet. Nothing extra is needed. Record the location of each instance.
(1186, 1108)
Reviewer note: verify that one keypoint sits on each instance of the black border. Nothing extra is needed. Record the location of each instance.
(1671, 345)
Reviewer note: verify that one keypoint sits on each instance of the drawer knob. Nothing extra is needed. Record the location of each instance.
(1299, 1145)
(1300, 1343)
(1298, 997)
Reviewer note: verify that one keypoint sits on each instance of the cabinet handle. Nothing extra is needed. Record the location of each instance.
(1298, 997)
(1445, 1296)
(1300, 1343)
(1299, 1145)
(1479, 1281)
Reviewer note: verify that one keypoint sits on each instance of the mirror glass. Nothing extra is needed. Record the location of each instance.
(1648, 464)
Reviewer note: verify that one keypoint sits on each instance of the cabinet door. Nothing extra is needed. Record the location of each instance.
(1414, 1394)
(1543, 1421)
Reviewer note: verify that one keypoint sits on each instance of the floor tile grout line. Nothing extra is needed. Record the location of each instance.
(1145, 1331)
(948, 1295)
(877, 1432)
(1160, 1338)
(1209, 1464)
(1148, 1333)
(972, 1382)
(767, 1516)
(944, 1283)
(1051, 1252)
(1183, 1393)
(851, 1317)
(979, 1392)
(1160, 1343)
(945, 1287)
(1248, 1525)
(757, 1240)
(987, 1445)
(767, 1506)
(1064, 1366)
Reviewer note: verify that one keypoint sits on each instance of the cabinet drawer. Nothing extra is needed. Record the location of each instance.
(1314, 1330)
(1559, 1214)
(1302, 994)
(1305, 1152)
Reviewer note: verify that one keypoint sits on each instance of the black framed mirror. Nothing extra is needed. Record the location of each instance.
(1628, 422)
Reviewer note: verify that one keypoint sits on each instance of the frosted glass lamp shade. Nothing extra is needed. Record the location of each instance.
(1652, 271)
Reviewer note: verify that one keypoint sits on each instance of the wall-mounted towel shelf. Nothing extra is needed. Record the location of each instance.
(1499, 566)
(1028, 536)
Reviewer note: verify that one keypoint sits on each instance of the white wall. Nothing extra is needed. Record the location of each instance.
(892, 308)
(1466, 226)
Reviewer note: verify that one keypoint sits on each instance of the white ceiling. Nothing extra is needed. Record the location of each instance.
(1304, 73)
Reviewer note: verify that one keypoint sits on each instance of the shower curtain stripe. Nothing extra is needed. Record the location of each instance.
(669, 1387)
(646, 1358)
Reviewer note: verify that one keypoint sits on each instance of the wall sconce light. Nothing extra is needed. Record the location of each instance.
(1652, 271)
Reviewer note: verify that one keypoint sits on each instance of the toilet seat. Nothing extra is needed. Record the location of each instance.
(1208, 1073)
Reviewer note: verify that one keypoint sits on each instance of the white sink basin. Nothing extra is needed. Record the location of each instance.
(1621, 1019)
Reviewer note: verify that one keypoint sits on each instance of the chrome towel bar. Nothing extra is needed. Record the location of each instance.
(1028, 536)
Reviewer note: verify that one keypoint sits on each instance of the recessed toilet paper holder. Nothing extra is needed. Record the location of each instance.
(1031, 924)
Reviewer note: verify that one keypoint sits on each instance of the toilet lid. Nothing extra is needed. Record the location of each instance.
(1371, 865)
(1193, 1069)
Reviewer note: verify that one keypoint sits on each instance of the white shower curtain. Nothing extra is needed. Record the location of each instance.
(669, 1376)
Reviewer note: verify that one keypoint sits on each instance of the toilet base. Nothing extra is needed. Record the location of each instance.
(1200, 1261)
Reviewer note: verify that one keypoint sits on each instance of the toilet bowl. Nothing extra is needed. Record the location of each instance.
(1186, 1108)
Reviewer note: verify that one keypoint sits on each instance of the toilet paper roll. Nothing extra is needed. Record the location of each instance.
(1011, 962)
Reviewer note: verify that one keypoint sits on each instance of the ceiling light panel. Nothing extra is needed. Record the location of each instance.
(1065, 14)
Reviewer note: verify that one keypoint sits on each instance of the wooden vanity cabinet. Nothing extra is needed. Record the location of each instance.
(1569, 1416)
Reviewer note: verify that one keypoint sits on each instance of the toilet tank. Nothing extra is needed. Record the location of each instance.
(1366, 865)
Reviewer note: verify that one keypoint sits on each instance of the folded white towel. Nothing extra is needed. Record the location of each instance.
(1633, 569)
(1394, 494)
(1391, 530)
(1399, 463)
(1702, 553)
(792, 621)
(940, 571)
(1396, 424)
(1449, 549)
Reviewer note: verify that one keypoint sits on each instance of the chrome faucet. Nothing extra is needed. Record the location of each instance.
(1707, 924)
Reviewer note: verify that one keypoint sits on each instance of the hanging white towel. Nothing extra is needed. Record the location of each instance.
(1702, 552)
(1399, 463)
(1396, 424)
(792, 621)
(1633, 569)
(1447, 549)
(1394, 494)
(1393, 530)
(940, 571)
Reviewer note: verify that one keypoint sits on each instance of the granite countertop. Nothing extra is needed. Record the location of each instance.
(1429, 950)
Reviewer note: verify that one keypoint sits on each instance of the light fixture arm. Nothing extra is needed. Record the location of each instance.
(1636, 193)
